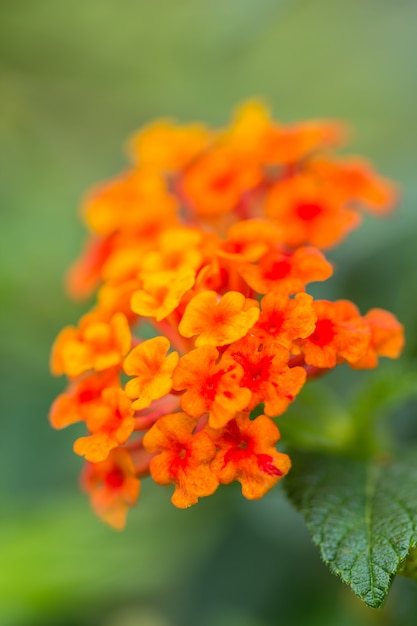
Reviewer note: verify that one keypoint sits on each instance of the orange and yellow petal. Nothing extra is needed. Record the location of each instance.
(215, 183)
(113, 487)
(217, 321)
(286, 272)
(176, 248)
(249, 128)
(161, 292)
(341, 334)
(96, 344)
(288, 144)
(110, 423)
(286, 319)
(110, 341)
(309, 213)
(70, 355)
(356, 179)
(211, 385)
(387, 338)
(246, 452)
(73, 405)
(136, 200)
(152, 368)
(266, 373)
(182, 458)
(249, 239)
(164, 145)
(85, 273)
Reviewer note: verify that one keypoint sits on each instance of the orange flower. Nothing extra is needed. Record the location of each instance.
(341, 334)
(217, 322)
(113, 487)
(183, 458)
(387, 338)
(116, 297)
(161, 292)
(286, 272)
(209, 240)
(285, 319)
(358, 182)
(136, 200)
(249, 130)
(126, 260)
(215, 183)
(308, 212)
(249, 240)
(96, 344)
(152, 368)
(175, 249)
(266, 373)
(211, 385)
(74, 404)
(246, 453)
(288, 144)
(111, 423)
(165, 146)
(212, 277)
(85, 274)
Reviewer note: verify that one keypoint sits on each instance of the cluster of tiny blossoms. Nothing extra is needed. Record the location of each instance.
(201, 253)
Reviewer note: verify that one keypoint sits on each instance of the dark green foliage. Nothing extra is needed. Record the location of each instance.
(362, 515)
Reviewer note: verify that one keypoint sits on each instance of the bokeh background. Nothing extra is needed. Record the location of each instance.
(76, 79)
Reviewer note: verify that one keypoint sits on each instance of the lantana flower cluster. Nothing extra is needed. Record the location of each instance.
(203, 331)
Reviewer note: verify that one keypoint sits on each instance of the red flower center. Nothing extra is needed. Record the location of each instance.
(88, 395)
(114, 479)
(179, 460)
(278, 270)
(222, 182)
(308, 211)
(273, 323)
(324, 333)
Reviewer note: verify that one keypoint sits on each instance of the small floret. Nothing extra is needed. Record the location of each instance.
(152, 367)
(285, 319)
(341, 334)
(387, 338)
(136, 200)
(286, 272)
(110, 423)
(358, 182)
(211, 385)
(288, 144)
(246, 452)
(113, 487)
(166, 146)
(96, 344)
(267, 374)
(215, 183)
(161, 292)
(217, 322)
(308, 212)
(182, 458)
(75, 403)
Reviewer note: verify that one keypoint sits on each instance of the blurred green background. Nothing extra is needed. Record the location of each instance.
(76, 79)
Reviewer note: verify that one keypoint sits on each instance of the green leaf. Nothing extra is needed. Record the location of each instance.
(317, 421)
(384, 391)
(362, 515)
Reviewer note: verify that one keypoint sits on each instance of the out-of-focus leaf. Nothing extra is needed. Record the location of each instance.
(362, 515)
(316, 421)
(385, 391)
